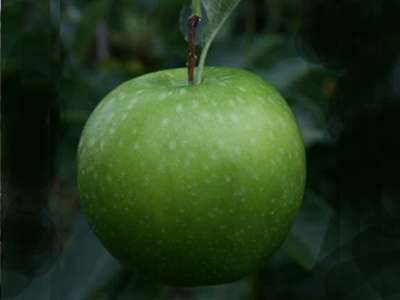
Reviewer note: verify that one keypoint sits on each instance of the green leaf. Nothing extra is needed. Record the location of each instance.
(217, 11)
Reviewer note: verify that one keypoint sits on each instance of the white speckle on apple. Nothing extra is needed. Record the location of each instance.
(124, 116)
(195, 104)
(239, 99)
(213, 156)
(228, 179)
(132, 104)
(259, 98)
(163, 96)
(242, 89)
(237, 150)
(220, 117)
(112, 100)
(91, 142)
(183, 91)
(139, 92)
(234, 118)
(205, 115)
(112, 130)
(178, 108)
(136, 146)
(172, 145)
(165, 122)
(109, 117)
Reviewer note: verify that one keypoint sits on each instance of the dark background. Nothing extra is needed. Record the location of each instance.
(336, 62)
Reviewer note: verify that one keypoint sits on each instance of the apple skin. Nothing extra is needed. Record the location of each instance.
(193, 185)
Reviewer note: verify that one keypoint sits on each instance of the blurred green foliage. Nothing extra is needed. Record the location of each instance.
(338, 65)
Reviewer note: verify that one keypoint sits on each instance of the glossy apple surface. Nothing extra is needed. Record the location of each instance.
(193, 185)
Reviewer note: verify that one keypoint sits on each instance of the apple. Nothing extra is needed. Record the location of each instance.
(193, 185)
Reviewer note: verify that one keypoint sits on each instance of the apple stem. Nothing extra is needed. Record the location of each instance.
(193, 21)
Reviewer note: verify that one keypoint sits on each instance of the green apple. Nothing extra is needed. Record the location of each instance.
(194, 185)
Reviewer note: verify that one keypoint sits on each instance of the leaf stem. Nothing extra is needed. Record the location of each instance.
(196, 8)
(200, 67)
(204, 52)
(217, 14)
